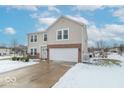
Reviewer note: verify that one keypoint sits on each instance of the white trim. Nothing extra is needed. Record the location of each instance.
(62, 30)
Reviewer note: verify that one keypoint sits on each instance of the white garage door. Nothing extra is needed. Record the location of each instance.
(64, 54)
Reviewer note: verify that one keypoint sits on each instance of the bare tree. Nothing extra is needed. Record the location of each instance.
(101, 46)
(14, 44)
(121, 49)
(115, 45)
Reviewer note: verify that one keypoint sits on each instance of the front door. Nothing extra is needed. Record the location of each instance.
(44, 52)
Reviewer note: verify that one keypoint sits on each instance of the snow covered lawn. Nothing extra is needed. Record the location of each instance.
(8, 65)
(5, 57)
(93, 76)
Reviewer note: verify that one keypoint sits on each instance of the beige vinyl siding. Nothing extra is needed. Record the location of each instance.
(77, 35)
(38, 44)
(75, 32)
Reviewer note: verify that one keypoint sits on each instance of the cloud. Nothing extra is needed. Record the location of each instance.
(87, 7)
(114, 28)
(79, 19)
(43, 20)
(119, 13)
(53, 8)
(25, 7)
(45, 14)
(93, 33)
(40, 29)
(91, 43)
(107, 33)
(10, 31)
(46, 17)
(47, 21)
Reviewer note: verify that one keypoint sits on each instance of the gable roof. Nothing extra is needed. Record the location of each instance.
(67, 18)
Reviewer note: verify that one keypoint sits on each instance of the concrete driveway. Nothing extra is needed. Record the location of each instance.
(42, 75)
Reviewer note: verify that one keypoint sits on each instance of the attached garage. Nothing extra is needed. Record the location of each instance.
(64, 54)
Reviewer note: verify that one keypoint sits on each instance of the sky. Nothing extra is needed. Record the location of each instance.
(104, 23)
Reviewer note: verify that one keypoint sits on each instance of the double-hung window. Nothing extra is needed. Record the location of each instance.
(45, 37)
(32, 52)
(59, 35)
(63, 34)
(35, 38)
(35, 51)
(32, 38)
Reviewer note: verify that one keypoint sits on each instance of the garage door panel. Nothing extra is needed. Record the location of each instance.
(64, 54)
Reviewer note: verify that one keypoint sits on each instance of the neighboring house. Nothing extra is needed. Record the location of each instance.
(116, 50)
(5, 51)
(20, 50)
(64, 40)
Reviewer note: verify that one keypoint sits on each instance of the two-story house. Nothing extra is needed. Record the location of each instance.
(64, 40)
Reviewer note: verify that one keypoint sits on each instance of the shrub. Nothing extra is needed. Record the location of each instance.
(26, 59)
(18, 58)
(22, 58)
(14, 58)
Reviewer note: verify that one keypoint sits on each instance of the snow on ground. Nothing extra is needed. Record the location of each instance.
(10, 56)
(5, 57)
(7, 65)
(92, 76)
(116, 56)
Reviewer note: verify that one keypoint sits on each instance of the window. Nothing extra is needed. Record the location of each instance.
(65, 34)
(45, 37)
(35, 39)
(35, 51)
(59, 35)
(31, 51)
(32, 38)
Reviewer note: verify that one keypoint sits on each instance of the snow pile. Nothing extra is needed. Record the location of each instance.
(116, 56)
(92, 76)
(7, 65)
